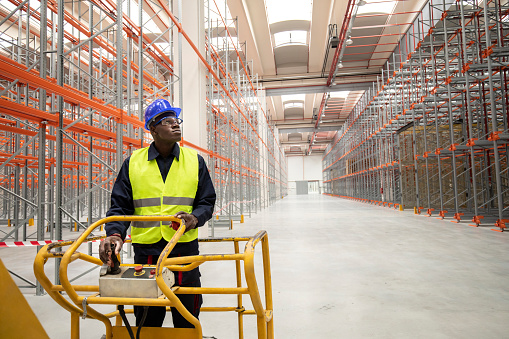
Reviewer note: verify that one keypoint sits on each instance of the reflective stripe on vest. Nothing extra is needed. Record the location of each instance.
(152, 196)
(150, 202)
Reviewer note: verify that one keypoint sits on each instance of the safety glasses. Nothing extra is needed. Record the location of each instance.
(168, 121)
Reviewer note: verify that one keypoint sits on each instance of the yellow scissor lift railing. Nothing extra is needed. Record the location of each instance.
(80, 305)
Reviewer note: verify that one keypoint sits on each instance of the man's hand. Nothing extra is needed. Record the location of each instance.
(105, 248)
(189, 220)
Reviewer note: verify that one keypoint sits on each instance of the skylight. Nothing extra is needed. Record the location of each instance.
(290, 38)
(292, 97)
(293, 105)
(376, 6)
(340, 94)
(283, 10)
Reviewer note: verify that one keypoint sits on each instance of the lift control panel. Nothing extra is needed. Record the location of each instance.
(134, 282)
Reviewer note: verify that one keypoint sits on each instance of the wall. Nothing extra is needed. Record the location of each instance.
(303, 168)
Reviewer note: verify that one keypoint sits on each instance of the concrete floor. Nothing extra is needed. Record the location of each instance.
(343, 269)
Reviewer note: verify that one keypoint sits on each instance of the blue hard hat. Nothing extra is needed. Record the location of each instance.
(157, 108)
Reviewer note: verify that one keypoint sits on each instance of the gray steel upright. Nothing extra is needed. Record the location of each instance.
(494, 119)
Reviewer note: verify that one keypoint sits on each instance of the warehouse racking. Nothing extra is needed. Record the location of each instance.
(72, 104)
(240, 129)
(432, 132)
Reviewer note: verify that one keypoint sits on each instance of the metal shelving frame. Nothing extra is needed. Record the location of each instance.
(250, 171)
(72, 103)
(432, 132)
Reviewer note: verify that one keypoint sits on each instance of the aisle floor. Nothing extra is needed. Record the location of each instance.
(343, 269)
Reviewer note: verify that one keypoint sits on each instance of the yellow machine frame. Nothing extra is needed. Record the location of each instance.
(263, 314)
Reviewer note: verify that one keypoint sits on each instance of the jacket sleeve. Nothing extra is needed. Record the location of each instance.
(121, 202)
(205, 198)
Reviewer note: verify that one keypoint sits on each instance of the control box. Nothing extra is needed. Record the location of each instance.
(134, 282)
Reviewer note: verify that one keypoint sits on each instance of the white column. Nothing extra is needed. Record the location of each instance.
(193, 73)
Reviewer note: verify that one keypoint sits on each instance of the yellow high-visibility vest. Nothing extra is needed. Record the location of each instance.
(152, 196)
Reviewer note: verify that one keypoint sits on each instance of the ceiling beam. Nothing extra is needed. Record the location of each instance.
(303, 142)
(317, 89)
(308, 129)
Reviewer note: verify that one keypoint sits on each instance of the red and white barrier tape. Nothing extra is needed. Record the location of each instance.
(36, 243)
(26, 243)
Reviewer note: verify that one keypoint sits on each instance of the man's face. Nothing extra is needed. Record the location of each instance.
(167, 131)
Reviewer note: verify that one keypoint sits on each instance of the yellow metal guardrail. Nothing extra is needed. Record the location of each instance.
(82, 302)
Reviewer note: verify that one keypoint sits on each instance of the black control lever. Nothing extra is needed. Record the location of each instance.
(115, 264)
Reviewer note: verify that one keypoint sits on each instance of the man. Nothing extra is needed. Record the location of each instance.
(162, 179)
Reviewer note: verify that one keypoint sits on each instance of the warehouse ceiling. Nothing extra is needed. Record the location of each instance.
(314, 58)
(292, 44)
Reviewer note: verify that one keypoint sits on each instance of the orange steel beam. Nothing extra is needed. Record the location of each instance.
(108, 47)
(100, 41)
(210, 153)
(379, 26)
(129, 29)
(38, 116)
(51, 160)
(342, 33)
(16, 72)
(347, 129)
(368, 53)
(41, 116)
(370, 45)
(223, 116)
(385, 14)
(332, 71)
(374, 35)
(211, 71)
(22, 131)
(6, 121)
(248, 77)
(23, 25)
(217, 111)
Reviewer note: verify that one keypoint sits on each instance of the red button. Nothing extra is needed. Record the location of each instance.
(153, 272)
(138, 268)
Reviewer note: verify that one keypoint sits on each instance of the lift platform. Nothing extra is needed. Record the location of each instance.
(81, 298)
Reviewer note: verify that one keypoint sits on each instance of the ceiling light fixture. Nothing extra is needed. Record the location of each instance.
(340, 64)
(349, 41)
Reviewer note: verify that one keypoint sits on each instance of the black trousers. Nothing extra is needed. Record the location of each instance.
(192, 302)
